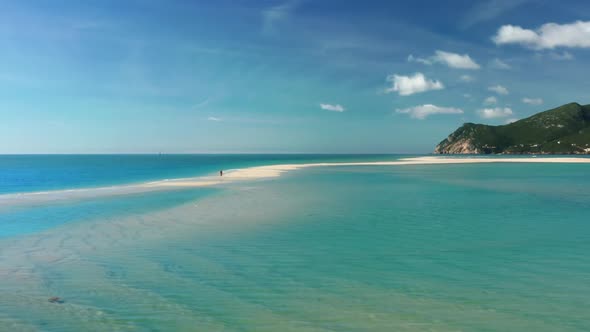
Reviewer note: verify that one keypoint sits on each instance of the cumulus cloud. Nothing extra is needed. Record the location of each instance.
(532, 101)
(498, 89)
(453, 60)
(495, 113)
(511, 34)
(490, 100)
(547, 36)
(212, 118)
(423, 111)
(499, 64)
(332, 108)
(466, 78)
(408, 85)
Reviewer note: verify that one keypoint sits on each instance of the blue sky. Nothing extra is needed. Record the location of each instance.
(279, 76)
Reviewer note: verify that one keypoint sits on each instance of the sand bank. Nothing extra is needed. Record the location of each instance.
(255, 173)
(277, 170)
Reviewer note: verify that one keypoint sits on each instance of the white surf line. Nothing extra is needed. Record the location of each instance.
(251, 173)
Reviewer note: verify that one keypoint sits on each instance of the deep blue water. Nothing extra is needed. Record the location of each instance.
(30, 173)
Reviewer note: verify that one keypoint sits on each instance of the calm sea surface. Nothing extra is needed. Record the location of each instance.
(473, 247)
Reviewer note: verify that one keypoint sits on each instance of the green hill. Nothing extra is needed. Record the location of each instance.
(562, 130)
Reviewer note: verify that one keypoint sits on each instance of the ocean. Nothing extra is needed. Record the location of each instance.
(465, 247)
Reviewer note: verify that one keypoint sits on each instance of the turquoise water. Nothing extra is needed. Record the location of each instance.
(30, 173)
(474, 247)
(35, 218)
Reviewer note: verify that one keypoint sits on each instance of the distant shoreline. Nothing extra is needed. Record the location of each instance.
(277, 170)
(256, 173)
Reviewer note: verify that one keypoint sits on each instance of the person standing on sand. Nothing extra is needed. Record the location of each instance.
(221, 173)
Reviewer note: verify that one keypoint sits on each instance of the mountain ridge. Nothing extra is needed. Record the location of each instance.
(561, 130)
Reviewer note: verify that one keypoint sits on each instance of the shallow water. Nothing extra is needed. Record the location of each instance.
(415, 248)
(33, 173)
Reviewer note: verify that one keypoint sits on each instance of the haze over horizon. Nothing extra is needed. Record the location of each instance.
(280, 76)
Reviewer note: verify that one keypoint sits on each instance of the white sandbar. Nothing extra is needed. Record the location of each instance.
(254, 173)
(276, 170)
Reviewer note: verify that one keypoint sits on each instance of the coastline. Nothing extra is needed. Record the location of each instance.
(276, 170)
(255, 173)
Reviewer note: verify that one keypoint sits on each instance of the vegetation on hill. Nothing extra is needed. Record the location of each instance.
(562, 130)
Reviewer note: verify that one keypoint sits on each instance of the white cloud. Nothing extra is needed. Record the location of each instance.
(423, 111)
(532, 101)
(453, 60)
(498, 89)
(408, 85)
(499, 64)
(412, 58)
(212, 118)
(332, 108)
(547, 36)
(490, 101)
(466, 78)
(508, 121)
(494, 113)
(510, 34)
